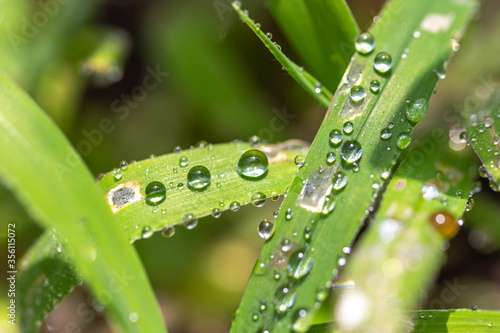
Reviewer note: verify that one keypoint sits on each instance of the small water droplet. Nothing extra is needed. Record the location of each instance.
(404, 141)
(330, 158)
(375, 86)
(254, 140)
(357, 94)
(253, 164)
(301, 321)
(260, 268)
(258, 199)
(234, 206)
(417, 34)
(364, 43)
(133, 317)
(155, 193)
(289, 214)
(190, 222)
(266, 229)
(269, 35)
(348, 127)
(336, 137)
(382, 62)
(286, 245)
(118, 174)
(307, 233)
(284, 298)
(351, 151)
(385, 134)
(469, 204)
(123, 165)
(168, 231)
(416, 111)
(328, 205)
(147, 232)
(183, 161)
(198, 178)
(339, 181)
(299, 264)
(299, 160)
(317, 88)
(216, 213)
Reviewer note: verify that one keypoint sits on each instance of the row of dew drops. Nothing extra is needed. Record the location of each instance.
(300, 262)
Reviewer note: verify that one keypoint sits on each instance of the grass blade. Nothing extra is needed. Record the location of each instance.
(322, 33)
(401, 253)
(306, 80)
(71, 203)
(289, 285)
(443, 321)
(483, 132)
(139, 220)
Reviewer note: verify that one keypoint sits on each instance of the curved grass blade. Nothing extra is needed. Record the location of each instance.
(330, 198)
(322, 33)
(401, 253)
(483, 131)
(71, 203)
(442, 321)
(306, 80)
(227, 191)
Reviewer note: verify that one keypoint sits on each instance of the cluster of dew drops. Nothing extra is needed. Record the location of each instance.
(252, 165)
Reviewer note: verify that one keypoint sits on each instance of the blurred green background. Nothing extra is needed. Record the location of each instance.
(84, 61)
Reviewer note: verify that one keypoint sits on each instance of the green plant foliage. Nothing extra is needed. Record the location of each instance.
(365, 131)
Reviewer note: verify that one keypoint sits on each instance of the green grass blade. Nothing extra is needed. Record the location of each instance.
(443, 321)
(483, 131)
(31, 146)
(324, 236)
(140, 220)
(401, 253)
(322, 33)
(306, 80)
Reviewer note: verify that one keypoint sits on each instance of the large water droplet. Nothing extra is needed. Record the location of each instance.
(266, 229)
(382, 62)
(198, 178)
(357, 94)
(299, 264)
(284, 298)
(417, 110)
(404, 141)
(156, 193)
(351, 151)
(252, 164)
(336, 137)
(364, 43)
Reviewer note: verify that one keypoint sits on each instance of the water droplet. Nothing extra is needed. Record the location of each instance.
(385, 134)
(351, 151)
(328, 205)
(254, 140)
(289, 214)
(317, 88)
(348, 127)
(416, 111)
(301, 321)
(266, 229)
(198, 178)
(330, 158)
(385, 174)
(252, 164)
(277, 274)
(234, 206)
(339, 181)
(263, 305)
(440, 73)
(180, 186)
(299, 264)
(168, 231)
(482, 171)
(147, 232)
(336, 137)
(445, 224)
(183, 161)
(258, 199)
(481, 127)
(260, 267)
(299, 160)
(269, 35)
(417, 34)
(133, 317)
(216, 213)
(469, 204)
(364, 43)
(284, 298)
(286, 245)
(156, 193)
(404, 141)
(357, 94)
(177, 149)
(375, 86)
(382, 62)
(123, 165)
(118, 174)
(488, 121)
(190, 222)
(307, 233)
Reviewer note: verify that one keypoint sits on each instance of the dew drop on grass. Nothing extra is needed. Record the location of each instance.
(284, 298)
(265, 229)
(258, 199)
(289, 214)
(286, 245)
(299, 160)
(317, 88)
(469, 204)
(118, 174)
(216, 213)
(254, 140)
(183, 161)
(416, 111)
(329, 205)
(330, 158)
(348, 127)
(168, 231)
(445, 224)
(123, 165)
(364, 43)
(385, 134)
(357, 94)
(147, 232)
(299, 264)
(260, 268)
(190, 222)
(375, 86)
(336, 137)
(382, 62)
(198, 178)
(404, 141)
(300, 321)
(351, 151)
(307, 233)
(234, 206)
(156, 193)
(253, 164)
(339, 181)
